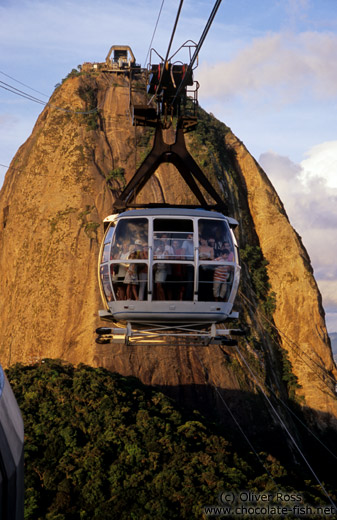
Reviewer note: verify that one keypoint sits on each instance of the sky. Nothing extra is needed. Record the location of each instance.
(267, 69)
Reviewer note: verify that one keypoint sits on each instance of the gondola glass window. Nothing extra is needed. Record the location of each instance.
(216, 257)
(104, 268)
(172, 258)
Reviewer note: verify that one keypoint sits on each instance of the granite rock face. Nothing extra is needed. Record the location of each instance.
(60, 186)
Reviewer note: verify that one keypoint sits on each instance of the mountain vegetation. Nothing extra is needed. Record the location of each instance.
(102, 446)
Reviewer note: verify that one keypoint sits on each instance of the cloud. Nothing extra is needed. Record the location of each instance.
(310, 200)
(321, 161)
(311, 204)
(331, 320)
(284, 65)
(329, 289)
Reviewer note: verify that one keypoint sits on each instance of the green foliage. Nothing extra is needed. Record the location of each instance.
(257, 266)
(92, 121)
(60, 215)
(289, 377)
(89, 96)
(252, 256)
(144, 144)
(90, 227)
(210, 133)
(101, 446)
(117, 175)
(72, 74)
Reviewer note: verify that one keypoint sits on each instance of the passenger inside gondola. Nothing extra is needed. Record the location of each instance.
(229, 247)
(131, 278)
(142, 271)
(220, 278)
(206, 252)
(167, 247)
(118, 271)
(178, 271)
(211, 243)
(173, 272)
(160, 271)
(177, 249)
(188, 248)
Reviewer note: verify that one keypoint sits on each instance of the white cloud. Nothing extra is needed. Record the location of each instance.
(331, 320)
(284, 65)
(321, 161)
(311, 204)
(329, 290)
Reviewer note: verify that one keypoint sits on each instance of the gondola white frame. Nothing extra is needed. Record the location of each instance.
(169, 315)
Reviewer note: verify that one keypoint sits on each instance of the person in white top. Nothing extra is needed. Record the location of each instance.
(188, 254)
(188, 247)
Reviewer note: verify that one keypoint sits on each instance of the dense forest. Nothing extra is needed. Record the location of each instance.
(101, 446)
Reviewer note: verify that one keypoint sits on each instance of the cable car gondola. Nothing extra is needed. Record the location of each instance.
(168, 271)
(168, 267)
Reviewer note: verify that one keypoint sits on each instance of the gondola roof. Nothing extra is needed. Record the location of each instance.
(172, 212)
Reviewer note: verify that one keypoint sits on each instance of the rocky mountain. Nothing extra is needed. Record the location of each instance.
(60, 186)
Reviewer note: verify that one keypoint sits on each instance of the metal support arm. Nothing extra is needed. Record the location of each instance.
(178, 155)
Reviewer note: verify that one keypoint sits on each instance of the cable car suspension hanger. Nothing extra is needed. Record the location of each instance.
(159, 280)
(168, 83)
(197, 50)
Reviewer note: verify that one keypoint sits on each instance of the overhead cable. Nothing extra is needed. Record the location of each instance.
(287, 431)
(235, 421)
(18, 92)
(24, 84)
(25, 95)
(197, 50)
(292, 343)
(298, 419)
(170, 44)
(154, 32)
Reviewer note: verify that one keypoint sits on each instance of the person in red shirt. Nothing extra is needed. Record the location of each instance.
(220, 277)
